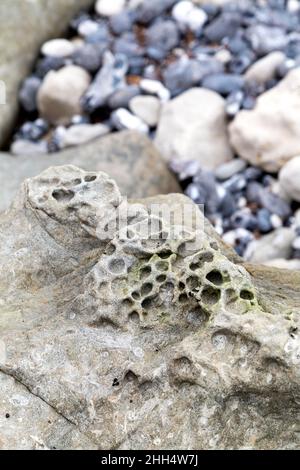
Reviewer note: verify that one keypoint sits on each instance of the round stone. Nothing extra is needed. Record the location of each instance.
(228, 169)
(60, 94)
(58, 48)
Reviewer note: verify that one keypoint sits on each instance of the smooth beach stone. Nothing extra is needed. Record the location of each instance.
(58, 48)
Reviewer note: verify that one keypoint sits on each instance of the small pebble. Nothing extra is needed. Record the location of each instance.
(123, 119)
(28, 93)
(227, 170)
(26, 147)
(189, 17)
(109, 7)
(154, 87)
(58, 48)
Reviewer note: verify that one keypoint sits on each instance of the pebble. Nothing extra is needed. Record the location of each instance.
(89, 57)
(109, 7)
(27, 147)
(87, 27)
(122, 22)
(123, 119)
(186, 73)
(155, 87)
(121, 98)
(236, 183)
(244, 218)
(110, 78)
(266, 68)
(264, 221)
(148, 10)
(189, 17)
(58, 48)
(161, 37)
(82, 134)
(234, 102)
(147, 108)
(49, 64)
(224, 84)
(289, 179)
(204, 191)
(60, 94)
(225, 25)
(228, 169)
(265, 39)
(33, 130)
(28, 93)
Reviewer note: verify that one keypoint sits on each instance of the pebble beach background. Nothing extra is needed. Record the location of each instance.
(214, 83)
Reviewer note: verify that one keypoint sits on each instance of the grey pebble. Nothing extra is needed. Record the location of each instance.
(28, 93)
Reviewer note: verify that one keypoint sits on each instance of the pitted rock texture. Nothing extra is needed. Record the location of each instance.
(136, 341)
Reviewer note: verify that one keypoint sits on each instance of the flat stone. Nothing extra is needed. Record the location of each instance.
(129, 156)
(223, 83)
(59, 97)
(269, 135)
(193, 127)
(147, 108)
(26, 147)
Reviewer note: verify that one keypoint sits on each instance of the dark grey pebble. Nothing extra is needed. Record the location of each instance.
(122, 22)
(236, 183)
(148, 10)
(204, 191)
(224, 84)
(245, 219)
(185, 73)
(28, 93)
(162, 36)
(274, 204)
(120, 98)
(225, 25)
(89, 57)
(253, 173)
(264, 221)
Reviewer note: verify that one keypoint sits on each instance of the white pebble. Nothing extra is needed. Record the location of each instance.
(223, 55)
(58, 48)
(123, 119)
(296, 243)
(188, 16)
(88, 27)
(293, 6)
(155, 87)
(275, 221)
(109, 7)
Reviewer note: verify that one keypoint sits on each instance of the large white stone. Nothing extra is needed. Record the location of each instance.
(59, 95)
(269, 135)
(289, 179)
(193, 127)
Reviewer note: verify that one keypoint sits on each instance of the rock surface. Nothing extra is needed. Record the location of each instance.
(127, 156)
(137, 343)
(24, 26)
(269, 135)
(193, 127)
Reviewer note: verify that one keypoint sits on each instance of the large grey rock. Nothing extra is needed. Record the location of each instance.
(126, 341)
(24, 26)
(129, 157)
